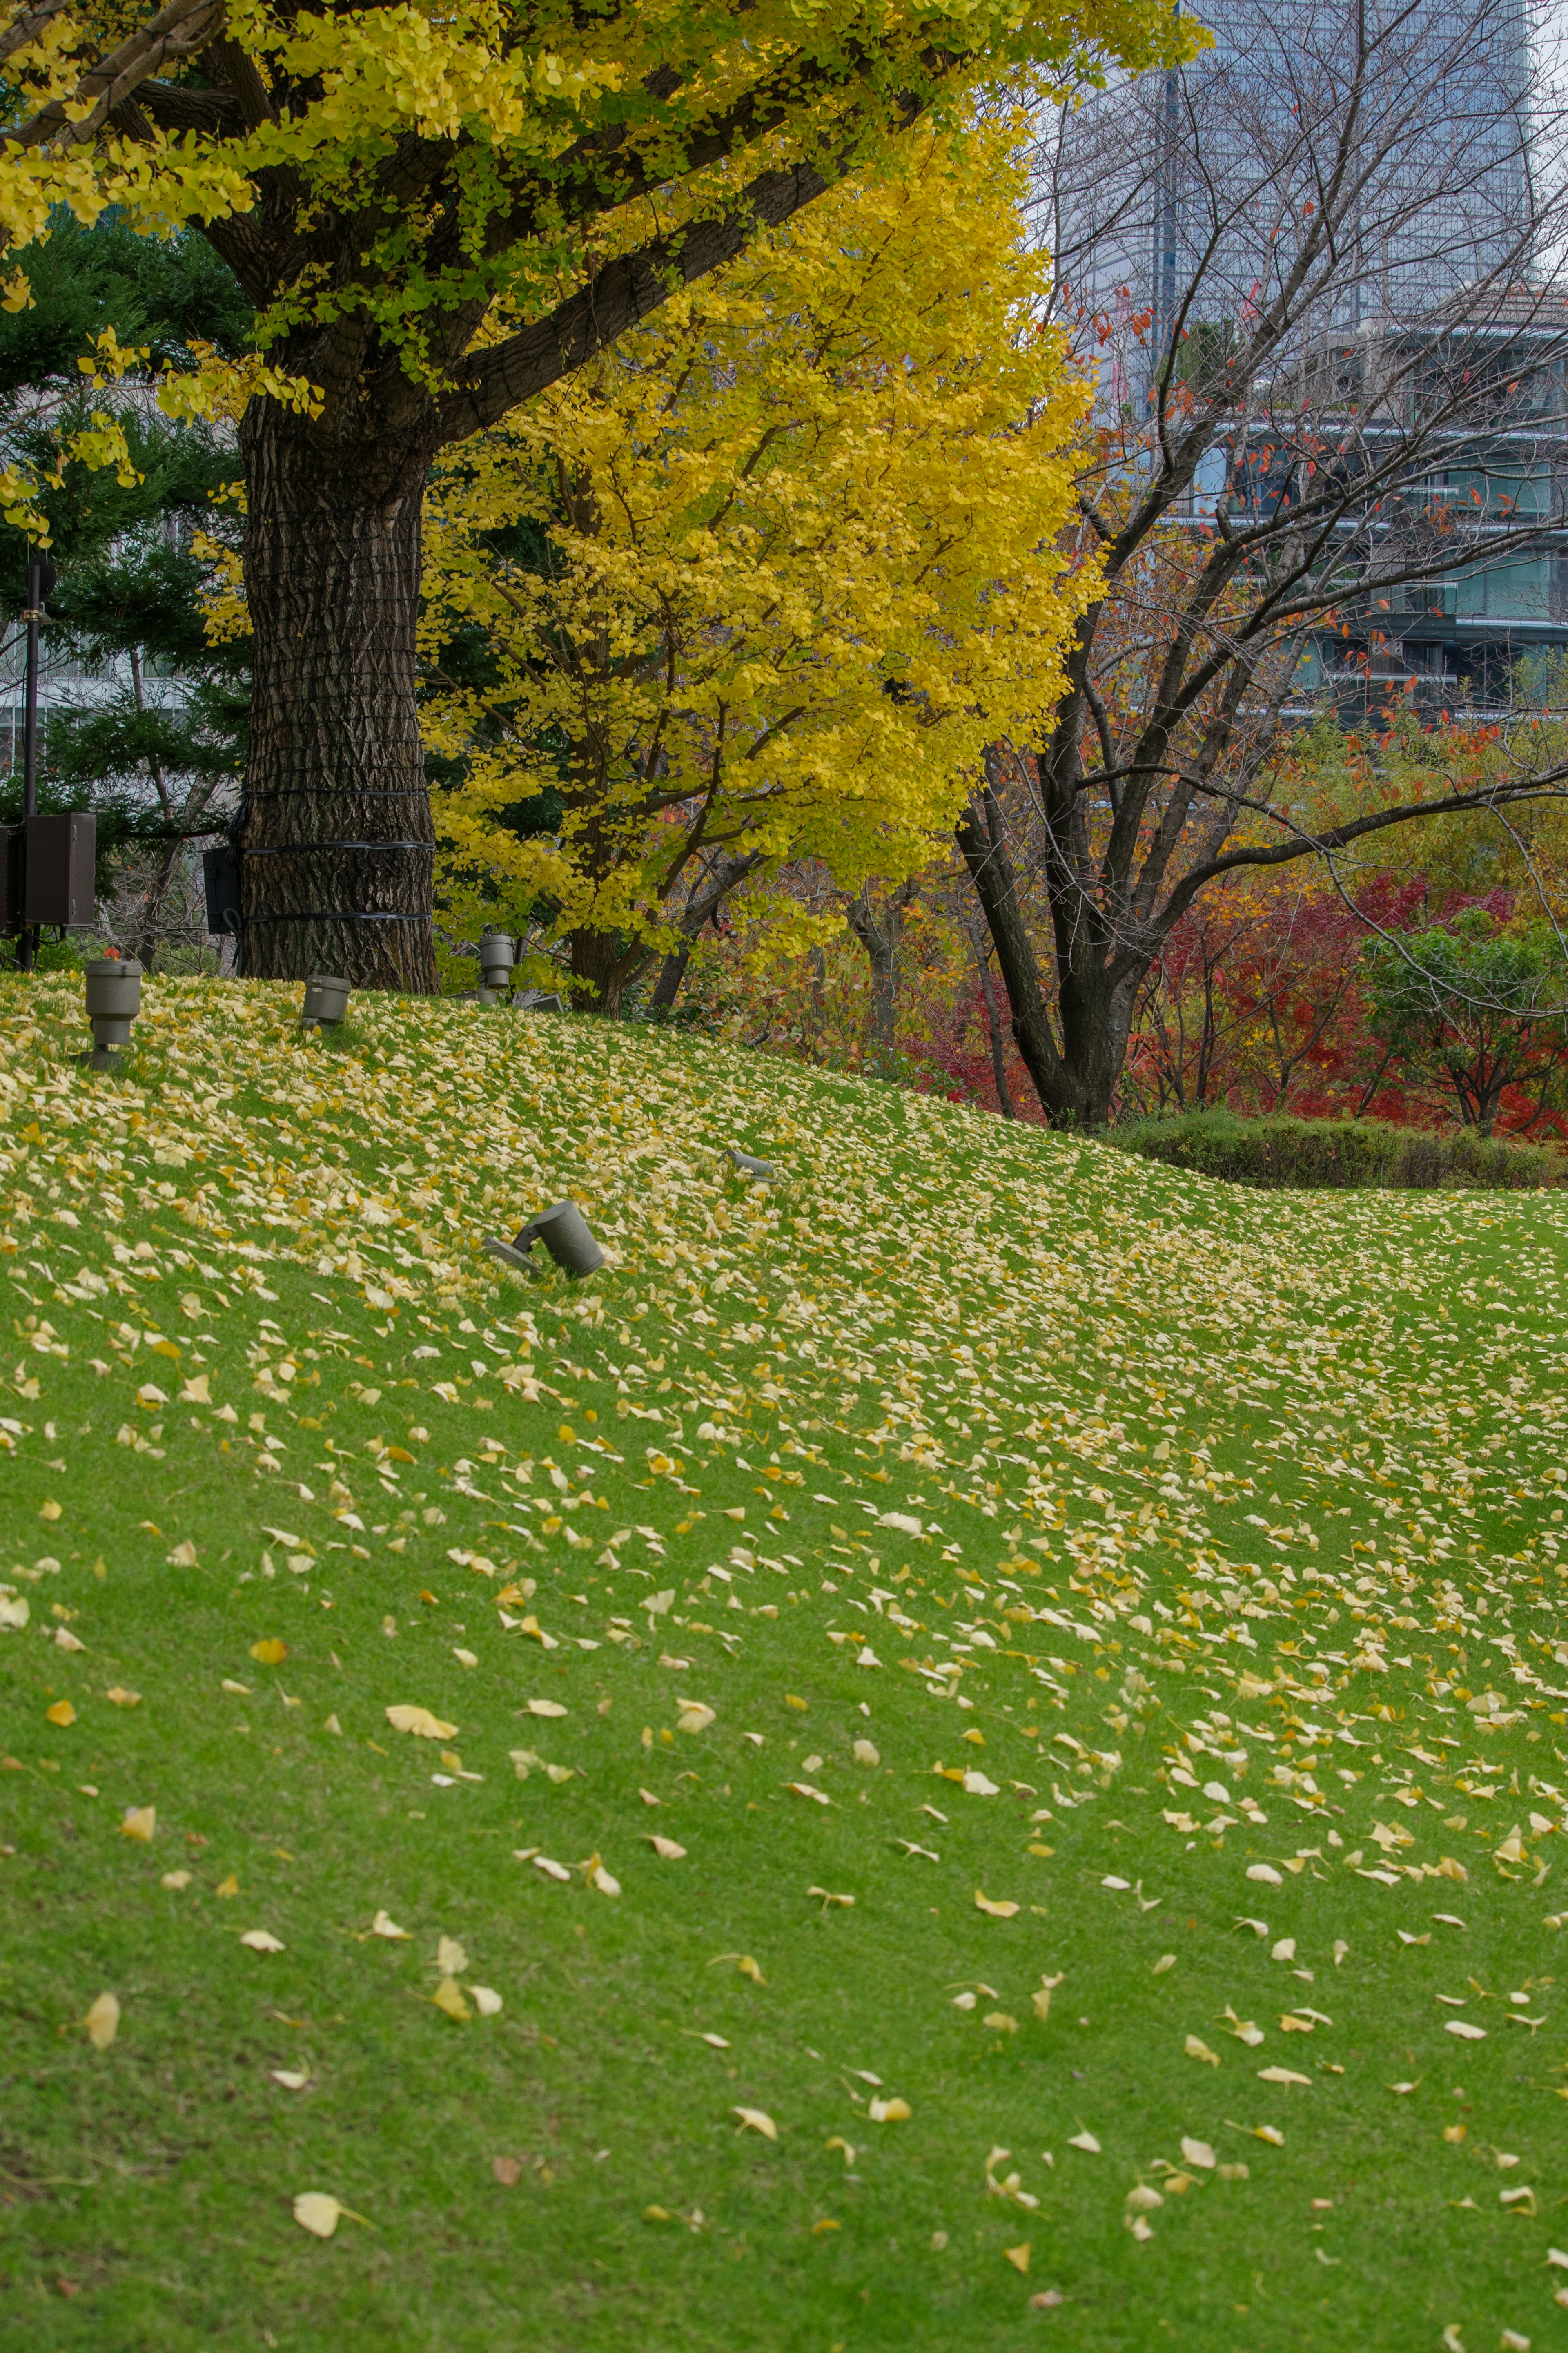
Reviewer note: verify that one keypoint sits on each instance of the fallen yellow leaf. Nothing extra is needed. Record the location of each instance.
(269, 1652)
(1004, 1911)
(448, 1997)
(62, 1712)
(139, 1822)
(420, 1723)
(384, 1925)
(102, 2021)
(888, 2112)
(316, 2212)
(759, 2120)
(1018, 2256)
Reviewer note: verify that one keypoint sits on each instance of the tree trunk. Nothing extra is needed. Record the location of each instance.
(606, 967)
(671, 973)
(336, 843)
(1076, 1082)
(881, 943)
(994, 1032)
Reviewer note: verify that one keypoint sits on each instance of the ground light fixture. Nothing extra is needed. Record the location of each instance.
(539, 1000)
(763, 1171)
(565, 1233)
(498, 954)
(326, 1001)
(113, 990)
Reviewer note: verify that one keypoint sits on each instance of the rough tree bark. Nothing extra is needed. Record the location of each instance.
(337, 845)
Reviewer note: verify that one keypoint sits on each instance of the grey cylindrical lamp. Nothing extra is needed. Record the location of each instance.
(498, 954)
(113, 1001)
(566, 1234)
(326, 1000)
(762, 1171)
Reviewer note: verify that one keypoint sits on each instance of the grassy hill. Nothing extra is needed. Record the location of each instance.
(988, 1722)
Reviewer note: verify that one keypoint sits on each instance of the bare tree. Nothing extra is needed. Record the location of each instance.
(1316, 276)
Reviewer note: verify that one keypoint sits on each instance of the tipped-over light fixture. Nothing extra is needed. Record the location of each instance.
(566, 1234)
(114, 1002)
(539, 1000)
(749, 1165)
(326, 1001)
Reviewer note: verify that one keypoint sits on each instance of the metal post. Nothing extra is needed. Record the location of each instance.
(40, 581)
(28, 945)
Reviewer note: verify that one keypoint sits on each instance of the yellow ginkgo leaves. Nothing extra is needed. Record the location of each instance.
(995, 1911)
(48, 1509)
(888, 2112)
(667, 1850)
(384, 1925)
(1196, 2047)
(184, 1556)
(262, 1940)
(1018, 2256)
(420, 1723)
(102, 2021)
(694, 1717)
(756, 2120)
(61, 1714)
(269, 1652)
(320, 2213)
(139, 1822)
(448, 1997)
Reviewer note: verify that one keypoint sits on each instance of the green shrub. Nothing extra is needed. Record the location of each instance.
(1338, 1152)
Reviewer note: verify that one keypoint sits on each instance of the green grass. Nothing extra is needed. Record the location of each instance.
(1235, 1485)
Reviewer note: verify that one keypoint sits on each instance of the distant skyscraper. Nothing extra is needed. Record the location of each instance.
(1177, 205)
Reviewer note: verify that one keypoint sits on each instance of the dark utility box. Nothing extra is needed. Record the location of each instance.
(11, 870)
(220, 871)
(60, 854)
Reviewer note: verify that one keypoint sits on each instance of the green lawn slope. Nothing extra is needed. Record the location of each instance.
(963, 1750)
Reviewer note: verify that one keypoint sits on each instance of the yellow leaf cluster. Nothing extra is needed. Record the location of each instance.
(771, 574)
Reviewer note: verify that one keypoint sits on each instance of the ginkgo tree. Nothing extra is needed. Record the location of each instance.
(437, 214)
(791, 563)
